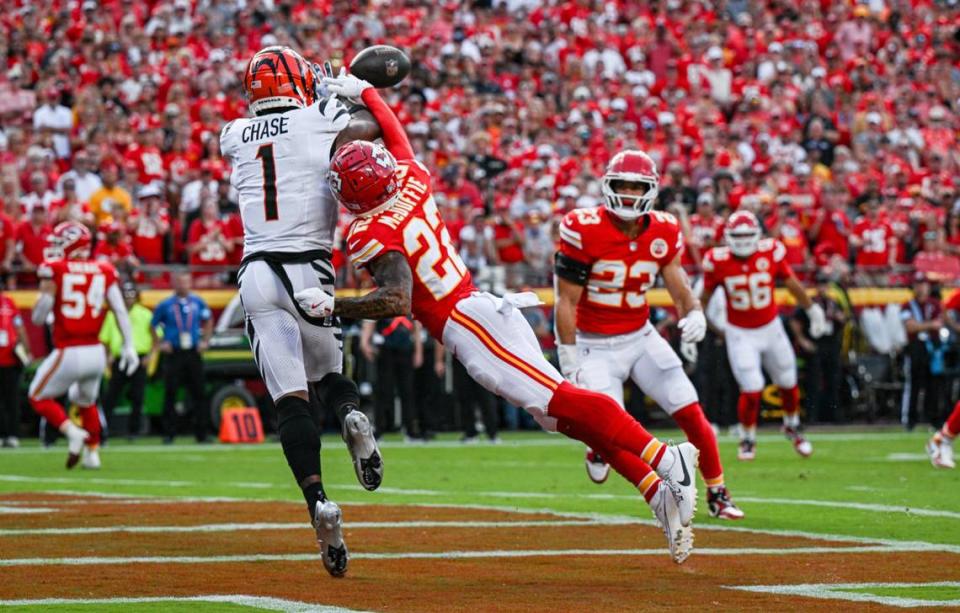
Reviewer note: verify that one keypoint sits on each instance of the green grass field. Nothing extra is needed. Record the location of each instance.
(874, 484)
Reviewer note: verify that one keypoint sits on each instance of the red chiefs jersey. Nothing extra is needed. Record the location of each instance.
(749, 283)
(413, 228)
(622, 269)
(80, 302)
(875, 235)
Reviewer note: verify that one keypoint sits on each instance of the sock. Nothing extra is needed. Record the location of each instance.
(699, 432)
(584, 415)
(951, 428)
(90, 418)
(748, 411)
(50, 410)
(339, 393)
(301, 446)
(791, 406)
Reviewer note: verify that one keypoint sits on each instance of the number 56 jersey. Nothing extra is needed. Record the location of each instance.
(413, 228)
(618, 269)
(748, 283)
(279, 168)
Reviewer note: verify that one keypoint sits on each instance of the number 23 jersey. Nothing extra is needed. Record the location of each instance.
(279, 168)
(622, 269)
(413, 228)
(748, 283)
(80, 302)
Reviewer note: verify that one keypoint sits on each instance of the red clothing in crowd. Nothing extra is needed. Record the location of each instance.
(32, 241)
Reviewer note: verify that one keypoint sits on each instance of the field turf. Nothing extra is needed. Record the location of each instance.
(436, 536)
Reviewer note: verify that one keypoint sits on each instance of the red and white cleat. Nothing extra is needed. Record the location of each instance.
(800, 443)
(720, 504)
(940, 451)
(747, 450)
(597, 469)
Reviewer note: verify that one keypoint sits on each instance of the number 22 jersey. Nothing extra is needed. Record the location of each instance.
(279, 168)
(80, 302)
(748, 283)
(413, 228)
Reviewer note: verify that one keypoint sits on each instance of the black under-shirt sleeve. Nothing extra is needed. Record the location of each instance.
(570, 269)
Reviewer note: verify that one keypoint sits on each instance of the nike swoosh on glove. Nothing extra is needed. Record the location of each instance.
(315, 302)
(693, 327)
(346, 85)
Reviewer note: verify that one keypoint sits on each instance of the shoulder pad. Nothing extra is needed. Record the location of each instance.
(779, 251)
(765, 244)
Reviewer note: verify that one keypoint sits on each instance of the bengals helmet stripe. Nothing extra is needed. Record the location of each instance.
(279, 77)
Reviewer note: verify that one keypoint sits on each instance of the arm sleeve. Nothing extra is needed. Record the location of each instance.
(41, 309)
(394, 136)
(115, 299)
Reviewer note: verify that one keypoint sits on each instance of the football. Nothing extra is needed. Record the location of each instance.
(381, 66)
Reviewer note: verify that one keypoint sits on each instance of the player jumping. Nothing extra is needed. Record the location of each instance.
(609, 257)
(747, 269)
(280, 158)
(76, 290)
(400, 238)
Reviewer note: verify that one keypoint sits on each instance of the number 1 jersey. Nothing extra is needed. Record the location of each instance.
(413, 228)
(279, 168)
(80, 302)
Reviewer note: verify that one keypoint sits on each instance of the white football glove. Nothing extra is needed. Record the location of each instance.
(129, 361)
(569, 362)
(346, 86)
(689, 351)
(693, 327)
(818, 321)
(315, 302)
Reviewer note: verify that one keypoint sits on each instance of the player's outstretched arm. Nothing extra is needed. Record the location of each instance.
(129, 360)
(394, 136)
(393, 294)
(678, 286)
(798, 292)
(45, 300)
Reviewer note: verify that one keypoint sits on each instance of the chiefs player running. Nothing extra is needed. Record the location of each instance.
(747, 269)
(609, 257)
(76, 289)
(399, 237)
(940, 445)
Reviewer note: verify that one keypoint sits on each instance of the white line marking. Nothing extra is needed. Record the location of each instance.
(834, 591)
(907, 457)
(17, 510)
(152, 482)
(260, 602)
(860, 506)
(260, 526)
(451, 555)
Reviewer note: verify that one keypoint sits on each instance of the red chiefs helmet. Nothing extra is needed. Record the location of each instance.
(634, 170)
(279, 77)
(363, 177)
(742, 233)
(69, 240)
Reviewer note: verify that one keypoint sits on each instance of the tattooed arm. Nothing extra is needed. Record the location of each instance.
(392, 296)
(362, 126)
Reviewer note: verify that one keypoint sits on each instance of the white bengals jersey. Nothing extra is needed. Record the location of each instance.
(280, 163)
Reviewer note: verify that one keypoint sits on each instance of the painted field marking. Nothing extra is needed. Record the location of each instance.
(260, 526)
(259, 602)
(18, 510)
(151, 482)
(907, 457)
(835, 591)
(450, 555)
(719, 527)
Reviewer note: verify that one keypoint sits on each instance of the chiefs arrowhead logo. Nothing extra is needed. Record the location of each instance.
(763, 264)
(658, 248)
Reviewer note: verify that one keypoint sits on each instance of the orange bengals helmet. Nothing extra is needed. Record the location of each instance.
(279, 77)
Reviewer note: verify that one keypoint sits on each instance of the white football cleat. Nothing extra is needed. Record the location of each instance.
(76, 436)
(678, 469)
(800, 444)
(90, 458)
(328, 522)
(940, 450)
(597, 469)
(367, 462)
(747, 450)
(667, 514)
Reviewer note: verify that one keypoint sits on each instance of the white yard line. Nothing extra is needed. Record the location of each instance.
(150, 482)
(259, 602)
(262, 526)
(860, 506)
(834, 591)
(23, 510)
(447, 555)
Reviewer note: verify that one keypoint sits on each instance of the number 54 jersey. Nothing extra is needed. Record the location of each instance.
(80, 302)
(413, 228)
(620, 269)
(748, 283)
(279, 168)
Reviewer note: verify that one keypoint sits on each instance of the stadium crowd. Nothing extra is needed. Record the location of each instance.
(835, 121)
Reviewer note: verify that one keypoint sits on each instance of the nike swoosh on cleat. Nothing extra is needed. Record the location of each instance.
(686, 474)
